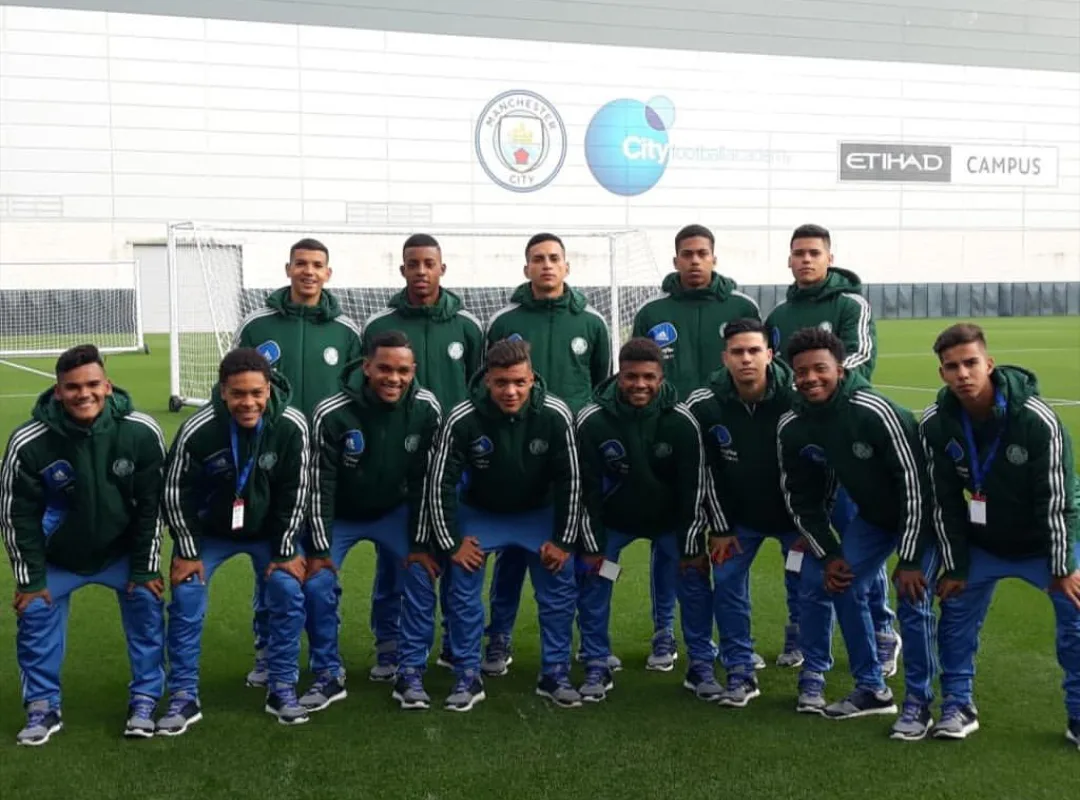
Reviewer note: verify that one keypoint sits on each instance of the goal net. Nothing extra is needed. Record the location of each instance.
(219, 274)
(47, 307)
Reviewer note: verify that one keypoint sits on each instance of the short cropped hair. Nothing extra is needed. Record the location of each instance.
(692, 231)
(420, 240)
(243, 359)
(506, 353)
(387, 339)
(641, 349)
(746, 325)
(954, 335)
(810, 231)
(309, 244)
(815, 339)
(78, 356)
(540, 238)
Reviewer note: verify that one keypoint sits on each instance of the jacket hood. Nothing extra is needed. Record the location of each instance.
(478, 393)
(354, 383)
(719, 287)
(50, 411)
(837, 281)
(325, 310)
(849, 384)
(571, 299)
(779, 378)
(280, 394)
(442, 310)
(1016, 385)
(607, 397)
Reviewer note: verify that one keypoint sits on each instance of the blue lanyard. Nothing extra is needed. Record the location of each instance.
(979, 471)
(242, 475)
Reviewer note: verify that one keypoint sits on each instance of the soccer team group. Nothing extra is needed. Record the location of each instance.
(445, 443)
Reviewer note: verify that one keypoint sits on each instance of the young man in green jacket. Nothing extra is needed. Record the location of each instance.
(237, 482)
(571, 350)
(523, 491)
(1005, 491)
(738, 412)
(839, 429)
(643, 475)
(80, 487)
(372, 441)
(303, 334)
(830, 298)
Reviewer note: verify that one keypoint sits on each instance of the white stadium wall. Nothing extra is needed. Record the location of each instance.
(112, 125)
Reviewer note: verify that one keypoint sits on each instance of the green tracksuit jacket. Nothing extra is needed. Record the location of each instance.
(371, 457)
(200, 477)
(515, 463)
(643, 471)
(310, 346)
(835, 304)
(571, 344)
(81, 497)
(871, 446)
(448, 342)
(688, 324)
(740, 442)
(1031, 487)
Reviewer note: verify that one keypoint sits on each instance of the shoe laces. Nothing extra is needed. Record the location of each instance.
(595, 673)
(561, 676)
(499, 647)
(663, 644)
(464, 682)
(737, 680)
(286, 694)
(178, 701)
(142, 707)
(322, 681)
(413, 679)
(36, 712)
(950, 711)
(911, 711)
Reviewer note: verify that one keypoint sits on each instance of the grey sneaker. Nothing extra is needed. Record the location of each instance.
(614, 663)
(140, 723)
(862, 703)
(183, 712)
(409, 690)
(957, 721)
(598, 683)
(386, 663)
(556, 687)
(41, 723)
(467, 692)
(498, 657)
(811, 693)
(741, 689)
(792, 656)
(326, 689)
(701, 680)
(664, 652)
(260, 673)
(758, 661)
(281, 701)
(889, 646)
(914, 722)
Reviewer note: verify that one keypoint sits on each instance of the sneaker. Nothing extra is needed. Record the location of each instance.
(792, 656)
(409, 690)
(41, 723)
(1072, 733)
(386, 663)
(701, 680)
(664, 652)
(467, 692)
(327, 688)
(741, 689)
(446, 658)
(282, 703)
(556, 686)
(498, 657)
(758, 662)
(140, 724)
(614, 663)
(862, 703)
(260, 673)
(597, 683)
(183, 712)
(811, 693)
(889, 646)
(957, 721)
(914, 722)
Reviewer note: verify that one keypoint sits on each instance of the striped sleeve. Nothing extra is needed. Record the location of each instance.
(418, 490)
(22, 499)
(805, 489)
(567, 472)
(324, 468)
(178, 498)
(148, 485)
(1053, 478)
(693, 488)
(593, 534)
(717, 517)
(856, 331)
(445, 470)
(292, 492)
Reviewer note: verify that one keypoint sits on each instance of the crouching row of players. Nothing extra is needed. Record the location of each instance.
(512, 468)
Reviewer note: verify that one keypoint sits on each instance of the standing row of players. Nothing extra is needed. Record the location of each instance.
(552, 494)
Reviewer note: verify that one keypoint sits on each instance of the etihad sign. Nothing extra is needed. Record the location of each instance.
(985, 165)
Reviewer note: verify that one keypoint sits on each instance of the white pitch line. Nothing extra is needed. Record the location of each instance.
(31, 370)
(19, 396)
(928, 353)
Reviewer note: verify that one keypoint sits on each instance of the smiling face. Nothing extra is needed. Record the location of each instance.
(639, 382)
(308, 270)
(246, 395)
(82, 392)
(966, 368)
(817, 373)
(509, 387)
(390, 371)
(694, 261)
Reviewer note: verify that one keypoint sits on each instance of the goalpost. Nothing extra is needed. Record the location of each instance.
(47, 307)
(218, 274)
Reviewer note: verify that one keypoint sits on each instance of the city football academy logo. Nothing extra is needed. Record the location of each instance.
(626, 144)
(814, 453)
(354, 442)
(954, 451)
(412, 442)
(267, 461)
(665, 334)
(520, 141)
(271, 351)
(862, 450)
(538, 447)
(721, 434)
(58, 474)
(330, 356)
(122, 467)
(456, 350)
(578, 346)
(1016, 454)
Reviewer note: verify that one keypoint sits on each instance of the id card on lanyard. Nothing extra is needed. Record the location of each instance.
(242, 475)
(979, 470)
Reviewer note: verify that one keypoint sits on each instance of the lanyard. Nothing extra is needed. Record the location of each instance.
(242, 475)
(979, 471)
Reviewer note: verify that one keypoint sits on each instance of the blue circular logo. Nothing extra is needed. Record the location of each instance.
(354, 442)
(626, 144)
(722, 435)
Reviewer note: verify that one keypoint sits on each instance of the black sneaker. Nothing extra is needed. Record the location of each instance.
(555, 686)
(862, 703)
(467, 692)
(282, 702)
(183, 712)
(1072, 733)
(957, 722)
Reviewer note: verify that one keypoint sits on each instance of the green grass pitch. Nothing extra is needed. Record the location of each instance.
(651, 739)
